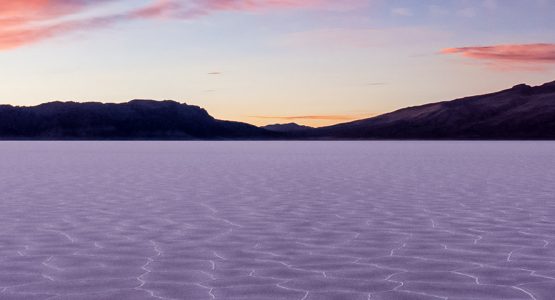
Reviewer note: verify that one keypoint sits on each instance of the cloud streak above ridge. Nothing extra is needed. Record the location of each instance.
(26, 22)
(511, 56)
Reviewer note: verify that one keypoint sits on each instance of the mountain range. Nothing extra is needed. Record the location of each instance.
(521, 112)
(134, 120)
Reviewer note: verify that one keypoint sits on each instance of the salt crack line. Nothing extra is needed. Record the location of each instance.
(477, 282)
(50, 278)
(212, 277)
(67, 236)
(266, 252)
(534, 273)
(147, 270)
(510, 255)
(392, 252)
(210, 290)
(279, 285)
(314, 245)
(47, 264)
(400, 284)
(20, 252)
(357, 262)
(226, 221)
(476, 237)
(475, 278)
(289, 266)
(156, 248)
(212, 265)
(210, 208)
(218, 256)
(525, 291)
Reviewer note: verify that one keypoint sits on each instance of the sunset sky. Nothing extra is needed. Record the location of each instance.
(313, 62)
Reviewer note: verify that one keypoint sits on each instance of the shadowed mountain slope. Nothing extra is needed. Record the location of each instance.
(137, 119)
(522, 112)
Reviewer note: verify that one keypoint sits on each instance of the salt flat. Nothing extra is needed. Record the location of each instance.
(277, 220)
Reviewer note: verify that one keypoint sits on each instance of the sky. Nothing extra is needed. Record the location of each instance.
(314, 62)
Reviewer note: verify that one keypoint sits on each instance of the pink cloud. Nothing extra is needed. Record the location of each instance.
(509, 57)
(29, 21)
(195, 8)
(25, 12)
(25, 22)
(314, 117)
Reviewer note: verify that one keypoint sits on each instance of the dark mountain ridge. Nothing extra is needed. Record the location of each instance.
(137, 119)
(288, 127)
(521, 112)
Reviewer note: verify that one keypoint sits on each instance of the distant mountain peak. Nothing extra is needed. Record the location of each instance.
(287, 127)
(520, 86)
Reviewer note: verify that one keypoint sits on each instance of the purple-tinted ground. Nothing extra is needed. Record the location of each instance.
(277, 220)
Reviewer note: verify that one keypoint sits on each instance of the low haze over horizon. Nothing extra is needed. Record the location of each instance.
(313, 62)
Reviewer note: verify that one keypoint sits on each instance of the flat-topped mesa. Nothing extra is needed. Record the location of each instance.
(288, 127)
(150, 102)
(137, 119)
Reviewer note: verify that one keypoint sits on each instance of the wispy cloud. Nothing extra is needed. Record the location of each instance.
(510, 57)
(17, 37)
(402, 11)
(181, 9)
(314, 117)
(25, 22)
(215, 73)
(24, 12)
